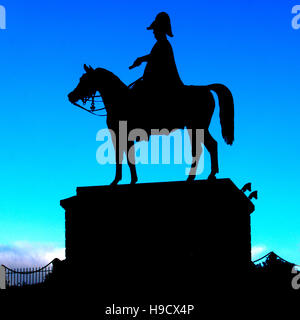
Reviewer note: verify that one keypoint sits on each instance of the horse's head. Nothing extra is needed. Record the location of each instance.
(85, 88)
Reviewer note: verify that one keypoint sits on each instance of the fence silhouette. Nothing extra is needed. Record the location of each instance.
(21, 277)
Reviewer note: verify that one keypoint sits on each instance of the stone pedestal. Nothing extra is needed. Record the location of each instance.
(173, 238)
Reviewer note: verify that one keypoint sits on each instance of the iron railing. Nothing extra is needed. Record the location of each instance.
(21, 277)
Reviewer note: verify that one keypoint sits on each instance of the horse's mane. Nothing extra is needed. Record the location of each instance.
(111, 78)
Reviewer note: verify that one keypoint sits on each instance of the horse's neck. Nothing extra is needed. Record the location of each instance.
(111, 88)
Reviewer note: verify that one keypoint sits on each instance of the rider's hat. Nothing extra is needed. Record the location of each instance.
(162, 23)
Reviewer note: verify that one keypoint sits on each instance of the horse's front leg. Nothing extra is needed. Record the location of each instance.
(118, 176)
(119, 159)
(131, 161)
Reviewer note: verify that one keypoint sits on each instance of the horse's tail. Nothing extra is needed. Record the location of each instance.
(226, 111)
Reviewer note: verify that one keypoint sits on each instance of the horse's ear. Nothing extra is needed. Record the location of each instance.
(86, 68)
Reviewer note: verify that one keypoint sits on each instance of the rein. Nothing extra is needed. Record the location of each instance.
(92, 99)
(92, 109)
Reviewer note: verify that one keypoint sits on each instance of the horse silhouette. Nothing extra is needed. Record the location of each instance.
(191, 108)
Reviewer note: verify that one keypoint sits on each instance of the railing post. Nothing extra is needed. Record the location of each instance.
(2, 278)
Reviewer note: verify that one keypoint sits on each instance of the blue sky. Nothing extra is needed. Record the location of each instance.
(49, 147)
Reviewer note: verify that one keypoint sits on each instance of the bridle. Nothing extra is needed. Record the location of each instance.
(92, 109)
(91, 99)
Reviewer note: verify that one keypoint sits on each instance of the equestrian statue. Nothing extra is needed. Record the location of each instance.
(158, 100)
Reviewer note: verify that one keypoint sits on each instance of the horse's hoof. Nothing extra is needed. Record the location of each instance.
(114, 183)
(212, 176)
(191, 178)
(133, 181)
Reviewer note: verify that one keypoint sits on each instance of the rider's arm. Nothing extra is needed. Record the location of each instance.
(144, 58)
(139, 61)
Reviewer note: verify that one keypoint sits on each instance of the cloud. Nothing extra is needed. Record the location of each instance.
(26, 254)
(257, 251)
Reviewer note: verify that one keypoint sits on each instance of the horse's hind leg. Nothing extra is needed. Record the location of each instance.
(212, 147)
(196, 153)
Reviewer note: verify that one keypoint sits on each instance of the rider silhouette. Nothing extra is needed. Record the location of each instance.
(161, 77)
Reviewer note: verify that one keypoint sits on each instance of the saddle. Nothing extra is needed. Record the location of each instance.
(155, 104)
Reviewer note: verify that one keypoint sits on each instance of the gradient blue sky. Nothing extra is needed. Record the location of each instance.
(48, 147)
